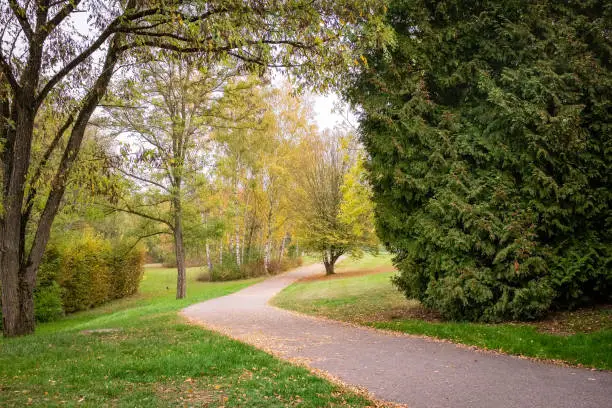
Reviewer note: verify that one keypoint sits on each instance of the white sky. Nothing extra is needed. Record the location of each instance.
(324, 111)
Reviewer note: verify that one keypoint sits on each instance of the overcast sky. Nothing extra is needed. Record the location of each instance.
(324, 115)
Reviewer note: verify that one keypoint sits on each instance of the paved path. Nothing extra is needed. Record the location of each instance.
(409, 370)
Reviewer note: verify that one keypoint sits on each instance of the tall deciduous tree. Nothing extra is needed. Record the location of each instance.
(172, 107)
(46, 60)
(328, 188)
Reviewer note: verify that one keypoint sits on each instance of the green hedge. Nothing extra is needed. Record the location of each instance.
(82, 272)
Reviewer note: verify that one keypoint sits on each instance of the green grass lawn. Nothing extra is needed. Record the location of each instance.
(372, 300)
(154, 359)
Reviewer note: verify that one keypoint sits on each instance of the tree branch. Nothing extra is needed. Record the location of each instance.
(75, 62)
(61, 15)
(8, 74)
(144, 180)
(52, 146)
(20, 14)
(140, 238)
(112, 28)
(129, 210)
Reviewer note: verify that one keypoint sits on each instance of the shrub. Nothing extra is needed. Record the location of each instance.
(229, 270)
(488, 133)
(126, 266)
(48, 302)
(91, 271)
(84, 272)
(226, 270)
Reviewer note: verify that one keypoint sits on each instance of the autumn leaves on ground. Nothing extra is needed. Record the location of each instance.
(138, 352)
(153, 359)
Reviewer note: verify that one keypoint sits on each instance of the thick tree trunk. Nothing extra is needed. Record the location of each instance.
(17, 280)
(179, 250)
(329, 260)
(329, 267)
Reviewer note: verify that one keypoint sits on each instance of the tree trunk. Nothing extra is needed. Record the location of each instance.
(268, 247)
(281, 251)
(179, 250)
(329, 260)
(17, 282)
(329, 267)
(208, 258)
(18, 269)
(237, 247)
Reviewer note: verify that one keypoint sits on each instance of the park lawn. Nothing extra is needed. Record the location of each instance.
(371, 299)
(155, 359)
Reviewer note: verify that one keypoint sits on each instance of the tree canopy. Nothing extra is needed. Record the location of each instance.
(488, 133)
(63, 55)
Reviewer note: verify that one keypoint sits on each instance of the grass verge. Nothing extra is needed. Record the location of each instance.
(579, 338)
(149, 357)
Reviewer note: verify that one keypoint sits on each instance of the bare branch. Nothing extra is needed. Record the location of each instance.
(20, 14)
(140, 238)
(144, 180)
(61, 15)
(129, 210)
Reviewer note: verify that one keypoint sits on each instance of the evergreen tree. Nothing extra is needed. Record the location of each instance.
(488, 130)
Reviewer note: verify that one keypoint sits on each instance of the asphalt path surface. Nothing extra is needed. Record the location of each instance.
(414, 371)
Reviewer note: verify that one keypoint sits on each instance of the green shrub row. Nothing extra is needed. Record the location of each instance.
(82, 272)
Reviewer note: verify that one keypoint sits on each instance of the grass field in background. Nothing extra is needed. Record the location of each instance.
(582, 337)
(153, 359)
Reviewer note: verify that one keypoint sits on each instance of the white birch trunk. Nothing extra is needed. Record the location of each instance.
(237, 247)
(267, 251)
(282, 247)
(208, 259)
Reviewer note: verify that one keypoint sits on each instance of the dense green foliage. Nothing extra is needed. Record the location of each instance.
(488, 129)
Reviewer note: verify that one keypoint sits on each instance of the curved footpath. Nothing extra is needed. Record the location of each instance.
(399, 368)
